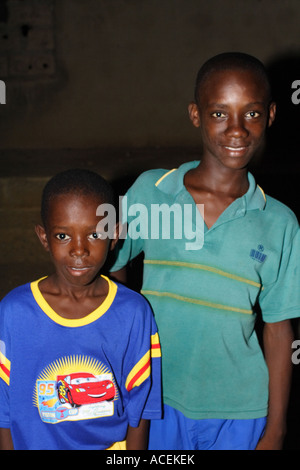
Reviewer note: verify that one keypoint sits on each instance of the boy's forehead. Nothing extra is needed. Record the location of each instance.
(80, 197)
(245, 81)
(66, 202)
(69, 209)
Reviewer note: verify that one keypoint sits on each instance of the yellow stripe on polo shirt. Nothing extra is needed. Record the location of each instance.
(263, 193)
(197, 301)
(164, 176)
(203, 267)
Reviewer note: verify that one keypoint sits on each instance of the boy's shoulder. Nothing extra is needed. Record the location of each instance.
(164, 179)
(17, 294)
(12, 305)
(150, 177)
(125, 294)
(133, 308)
(281, 211)
(144, 188)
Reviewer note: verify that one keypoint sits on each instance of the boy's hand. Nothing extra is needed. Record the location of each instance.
(268, 443)
(6, 442)
(278, 338)
(137, 438)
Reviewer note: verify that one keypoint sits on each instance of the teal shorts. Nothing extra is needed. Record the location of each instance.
(176, 432)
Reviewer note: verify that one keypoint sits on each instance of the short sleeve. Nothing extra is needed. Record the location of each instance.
(4, 373)
(128, 246)
(142, 371)
(281, 299)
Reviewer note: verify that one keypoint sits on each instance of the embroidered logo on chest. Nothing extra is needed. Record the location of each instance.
(257, 254)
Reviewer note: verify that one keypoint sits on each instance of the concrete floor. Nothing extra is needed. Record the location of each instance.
(24, 173)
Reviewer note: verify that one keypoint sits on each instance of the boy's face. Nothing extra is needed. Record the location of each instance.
(77, 250)
(232, 115)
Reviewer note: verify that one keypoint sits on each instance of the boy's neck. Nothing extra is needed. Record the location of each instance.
(215, 188)
(226, 181)
(73, 302)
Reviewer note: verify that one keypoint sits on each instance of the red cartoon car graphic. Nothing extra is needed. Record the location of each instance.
(83, 388)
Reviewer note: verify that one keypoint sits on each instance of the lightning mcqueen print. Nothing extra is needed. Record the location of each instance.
(83, 388)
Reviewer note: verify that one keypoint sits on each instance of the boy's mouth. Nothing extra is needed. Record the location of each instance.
(79, 270)
(235, 149)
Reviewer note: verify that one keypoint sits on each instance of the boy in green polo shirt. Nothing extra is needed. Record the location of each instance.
(220, 391)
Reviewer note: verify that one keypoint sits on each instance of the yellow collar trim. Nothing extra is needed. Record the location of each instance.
(164, 176)
(90, 318)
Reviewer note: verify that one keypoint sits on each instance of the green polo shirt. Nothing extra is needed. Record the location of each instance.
(205, 296)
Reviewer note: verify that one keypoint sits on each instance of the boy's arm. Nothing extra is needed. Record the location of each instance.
(5, 439)
(137, 438)
(277, 339)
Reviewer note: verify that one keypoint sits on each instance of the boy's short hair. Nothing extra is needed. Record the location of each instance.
(231, 61)
(77, 182)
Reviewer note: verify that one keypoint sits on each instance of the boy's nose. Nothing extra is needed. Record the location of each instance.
(78, 248)
(236, 128)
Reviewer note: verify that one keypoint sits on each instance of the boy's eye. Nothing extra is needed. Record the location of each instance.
(218, 114)
(96, 235)
(62, 236)
(253, 114)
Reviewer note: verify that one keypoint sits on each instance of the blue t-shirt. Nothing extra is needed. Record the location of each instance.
(77, 384)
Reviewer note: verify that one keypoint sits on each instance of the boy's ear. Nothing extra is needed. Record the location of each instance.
(272, 113)
(41, 233)
(117, 231)
(194, 114)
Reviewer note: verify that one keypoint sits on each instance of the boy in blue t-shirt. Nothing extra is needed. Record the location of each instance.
(79, 353)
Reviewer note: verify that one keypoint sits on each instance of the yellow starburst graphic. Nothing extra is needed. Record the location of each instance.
(67, 365)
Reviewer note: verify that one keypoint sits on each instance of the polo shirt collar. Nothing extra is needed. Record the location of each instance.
(172, 183)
